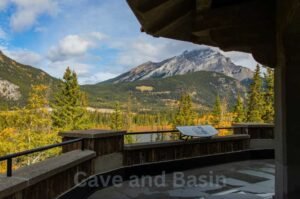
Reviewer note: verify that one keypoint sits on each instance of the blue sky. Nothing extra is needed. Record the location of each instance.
(99, 39)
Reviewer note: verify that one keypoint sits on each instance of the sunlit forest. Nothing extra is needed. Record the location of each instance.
(38, 123)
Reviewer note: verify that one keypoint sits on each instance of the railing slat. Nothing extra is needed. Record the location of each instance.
(9, 167)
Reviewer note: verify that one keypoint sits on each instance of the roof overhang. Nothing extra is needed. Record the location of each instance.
(233, 25)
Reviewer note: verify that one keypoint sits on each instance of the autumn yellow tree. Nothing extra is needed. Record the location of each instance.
(35, 124)
(31, 128)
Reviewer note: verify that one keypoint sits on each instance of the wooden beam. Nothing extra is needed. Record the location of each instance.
(265, 54)
(181, 25)
(144, 6)
(239, 25)
(166, 14)
(203, 37)
(237, 15)
(243, 34)
(203, 5)
(248, 27)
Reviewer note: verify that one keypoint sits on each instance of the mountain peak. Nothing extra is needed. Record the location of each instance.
(203, 59)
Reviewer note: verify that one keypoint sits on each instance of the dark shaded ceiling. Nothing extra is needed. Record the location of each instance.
(239, 25)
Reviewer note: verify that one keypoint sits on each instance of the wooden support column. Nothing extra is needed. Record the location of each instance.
(108, 146)
(287, 84)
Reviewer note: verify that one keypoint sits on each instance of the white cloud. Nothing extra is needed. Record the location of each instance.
(242, 59)
(57, 69)
(98, 77)
(73, 46)
(3, 4)
(143, 49)
(28, 11)
(97, 36)
(3, 34)
(70, 46)
(78, 35)
(24, 56)
(86, 73)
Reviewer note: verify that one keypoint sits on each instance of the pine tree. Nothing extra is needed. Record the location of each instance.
(268, 115)
(217, 110)
(129, 112)
(239, 110)
(185, 114)
(255, 104)
(116, 122)
(69, 108)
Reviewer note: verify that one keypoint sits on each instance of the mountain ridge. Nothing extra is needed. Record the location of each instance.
(16, 80)
(205, 59)
(163, 94)
(151, 89)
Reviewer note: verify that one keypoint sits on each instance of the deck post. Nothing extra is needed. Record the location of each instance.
(287, 87)
(107, 144)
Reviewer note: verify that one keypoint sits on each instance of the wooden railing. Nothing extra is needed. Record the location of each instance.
(163, 135)
(256, 131)
(243, 137)
(179, 149)
(8, 158)
(98, 148)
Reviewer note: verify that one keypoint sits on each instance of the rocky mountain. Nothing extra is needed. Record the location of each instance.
(16, 80)
(204, 73)
(205, 59)
(153, 86)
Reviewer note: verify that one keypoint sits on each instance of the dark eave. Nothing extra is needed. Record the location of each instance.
(240, 25)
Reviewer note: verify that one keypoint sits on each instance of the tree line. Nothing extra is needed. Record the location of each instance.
(257, 106)
(38, 122)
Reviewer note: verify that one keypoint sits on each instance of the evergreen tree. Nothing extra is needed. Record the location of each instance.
(116, 122)
(239, 110)
(255, 104)
(69, 108)
(185, 114)
(268, 115)
(129, 112)
(217, 110)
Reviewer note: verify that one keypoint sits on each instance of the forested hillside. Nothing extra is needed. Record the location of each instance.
(163, 94)
(16, 80)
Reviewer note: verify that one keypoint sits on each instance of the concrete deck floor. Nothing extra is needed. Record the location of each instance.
(244, 180)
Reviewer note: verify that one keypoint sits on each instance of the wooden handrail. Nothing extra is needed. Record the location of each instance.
(8, 158)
